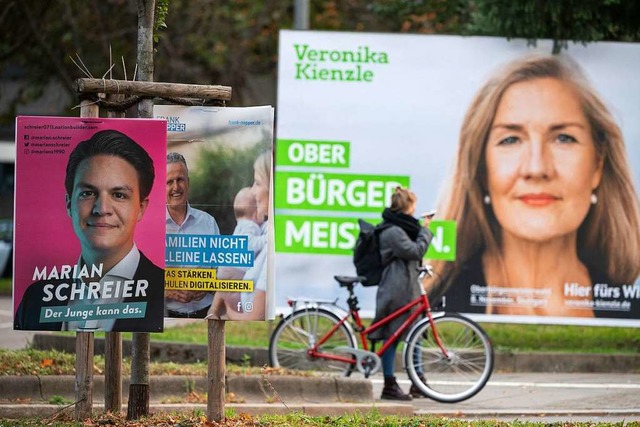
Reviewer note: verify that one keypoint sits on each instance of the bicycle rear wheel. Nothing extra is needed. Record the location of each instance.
(463, 371)
(300, 331)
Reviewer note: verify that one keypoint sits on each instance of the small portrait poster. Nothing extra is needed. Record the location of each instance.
(219, 221)
(89, 241)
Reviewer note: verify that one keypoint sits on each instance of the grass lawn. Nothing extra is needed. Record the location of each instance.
(53, 362)
(369, 419)
(505, 337)
(6, 286)
(563, 338)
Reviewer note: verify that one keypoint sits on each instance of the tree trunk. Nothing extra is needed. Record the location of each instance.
(113, 340)
(146, 10)
(84, 340)
(139, 389)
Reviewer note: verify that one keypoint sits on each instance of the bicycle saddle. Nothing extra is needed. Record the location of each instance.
(349, 280)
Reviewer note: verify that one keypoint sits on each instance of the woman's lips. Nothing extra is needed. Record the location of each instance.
(539, 199)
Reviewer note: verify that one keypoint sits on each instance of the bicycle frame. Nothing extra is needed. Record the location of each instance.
(448, 357)
(422, 303)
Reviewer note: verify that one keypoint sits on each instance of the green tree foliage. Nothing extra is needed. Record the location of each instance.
(562, 21)
(42, 39)
(223, 42)
(424, 16)
(199, 41)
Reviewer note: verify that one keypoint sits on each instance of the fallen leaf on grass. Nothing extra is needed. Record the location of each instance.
(233, 398)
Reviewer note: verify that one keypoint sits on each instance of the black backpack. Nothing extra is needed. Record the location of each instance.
(366, 254)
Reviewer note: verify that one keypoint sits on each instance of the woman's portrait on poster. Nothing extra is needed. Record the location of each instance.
(543, 197)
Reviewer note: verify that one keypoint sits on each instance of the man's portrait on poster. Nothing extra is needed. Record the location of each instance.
(182, 218)
(107, 184)
(542, 192)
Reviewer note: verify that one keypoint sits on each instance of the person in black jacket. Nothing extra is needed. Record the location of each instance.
(112, 286)
(402, 247)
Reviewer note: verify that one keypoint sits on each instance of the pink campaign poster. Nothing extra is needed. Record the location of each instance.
(89, 224)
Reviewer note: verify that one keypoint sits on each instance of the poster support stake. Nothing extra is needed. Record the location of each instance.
(84, 375)
(216, 370)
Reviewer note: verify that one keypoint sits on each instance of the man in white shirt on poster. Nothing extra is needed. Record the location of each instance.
(182, 218)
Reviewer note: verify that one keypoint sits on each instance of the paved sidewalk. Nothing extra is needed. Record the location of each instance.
(542, 396)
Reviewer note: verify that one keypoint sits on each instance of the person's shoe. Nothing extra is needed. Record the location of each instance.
(392, 391)
(414, 391)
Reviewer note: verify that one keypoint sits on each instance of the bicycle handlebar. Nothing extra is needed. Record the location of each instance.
(425, 270)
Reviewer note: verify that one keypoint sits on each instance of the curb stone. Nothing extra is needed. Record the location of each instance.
(246, 389)
(308, 395)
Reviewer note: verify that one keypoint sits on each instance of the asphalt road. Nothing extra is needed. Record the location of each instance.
(548, 397)
(9, 338)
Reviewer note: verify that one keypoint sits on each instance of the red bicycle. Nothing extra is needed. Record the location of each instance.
(453, 352)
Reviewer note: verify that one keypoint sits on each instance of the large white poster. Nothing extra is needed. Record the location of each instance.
(543, 192)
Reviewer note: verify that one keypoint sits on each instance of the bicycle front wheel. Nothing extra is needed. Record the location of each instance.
(459, 369)
(300, 331)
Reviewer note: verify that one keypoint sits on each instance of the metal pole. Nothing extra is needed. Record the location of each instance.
(301, 15)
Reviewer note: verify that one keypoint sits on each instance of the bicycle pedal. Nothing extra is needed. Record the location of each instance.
(367, 362)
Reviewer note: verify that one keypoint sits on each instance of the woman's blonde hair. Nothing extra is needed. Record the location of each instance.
(402, 199)
(262, 166)
(609, 237)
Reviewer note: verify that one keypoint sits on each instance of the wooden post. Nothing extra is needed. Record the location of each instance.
(84, 375)
(216, 369)
(113, 372)
(153, 89)
(84, 340)
(113, 340)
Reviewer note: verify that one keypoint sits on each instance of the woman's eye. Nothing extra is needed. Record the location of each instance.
(564, 138)
(510, 140)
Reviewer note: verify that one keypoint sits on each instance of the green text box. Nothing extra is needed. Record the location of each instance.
(443, 244)
(335, 192)
(81, 312)
(321, 235)
(328, 154)
(315, 234)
